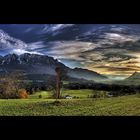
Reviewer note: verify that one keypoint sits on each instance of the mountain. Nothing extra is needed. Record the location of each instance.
(86, 74)
(134, 77)
(30, 63)
(34, 64)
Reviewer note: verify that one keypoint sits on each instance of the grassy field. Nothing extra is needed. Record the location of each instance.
(78, 93)
(115, 106)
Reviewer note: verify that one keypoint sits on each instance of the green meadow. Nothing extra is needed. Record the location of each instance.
(82, 106)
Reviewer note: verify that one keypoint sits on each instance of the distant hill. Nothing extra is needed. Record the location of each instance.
(133, 79)
(33, 64)
(86, 74)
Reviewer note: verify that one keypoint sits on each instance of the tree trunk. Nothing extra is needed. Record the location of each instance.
(57, 86)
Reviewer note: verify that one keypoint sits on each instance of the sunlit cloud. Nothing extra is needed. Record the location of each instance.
(20, 51)
(70, 49)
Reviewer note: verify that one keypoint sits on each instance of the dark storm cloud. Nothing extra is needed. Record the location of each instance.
(99, 47)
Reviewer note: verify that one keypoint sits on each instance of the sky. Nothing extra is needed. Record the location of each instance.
(110, 49)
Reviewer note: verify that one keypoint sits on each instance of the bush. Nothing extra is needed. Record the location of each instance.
(22, 94)
(75, 97)
(40, 96)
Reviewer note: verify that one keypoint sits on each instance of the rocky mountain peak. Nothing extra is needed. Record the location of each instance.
(42, 64)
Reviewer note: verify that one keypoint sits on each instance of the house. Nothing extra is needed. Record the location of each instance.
(110, 94)
(68, 97)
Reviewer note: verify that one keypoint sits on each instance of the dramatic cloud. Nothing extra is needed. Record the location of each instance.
(55, 28)
(107, 49)
(69, 49)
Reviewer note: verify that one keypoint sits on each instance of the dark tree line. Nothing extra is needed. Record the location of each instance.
(114, 89)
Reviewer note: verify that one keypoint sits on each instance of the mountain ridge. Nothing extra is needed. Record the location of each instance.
(43, 64)
(134, 76)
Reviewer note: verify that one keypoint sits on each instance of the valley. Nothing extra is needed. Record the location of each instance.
(69, 70)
